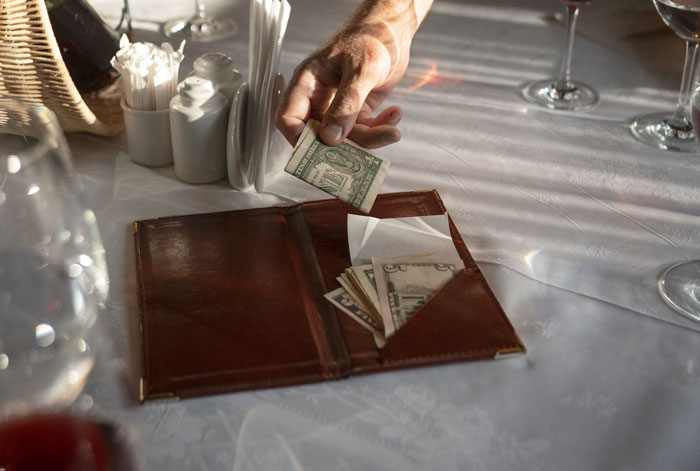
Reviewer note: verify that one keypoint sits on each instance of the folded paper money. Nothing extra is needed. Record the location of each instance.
(347, 171)
(385, 303)
(235, 301)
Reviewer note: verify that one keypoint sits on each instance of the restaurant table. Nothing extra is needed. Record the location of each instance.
(571, 220)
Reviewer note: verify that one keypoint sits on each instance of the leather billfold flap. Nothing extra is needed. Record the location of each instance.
(233, 301)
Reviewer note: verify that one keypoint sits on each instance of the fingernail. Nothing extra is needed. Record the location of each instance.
(332, 132)
(394, 117)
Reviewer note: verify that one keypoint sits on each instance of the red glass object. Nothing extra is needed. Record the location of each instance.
(53, 442)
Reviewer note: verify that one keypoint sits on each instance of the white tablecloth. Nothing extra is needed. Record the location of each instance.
(571, 220)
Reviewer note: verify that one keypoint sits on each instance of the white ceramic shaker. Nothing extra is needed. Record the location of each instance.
(198, 122)
(219, 69)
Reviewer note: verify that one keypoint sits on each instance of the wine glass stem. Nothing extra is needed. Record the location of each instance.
(680, 117)
(200, 9)
(565, 71)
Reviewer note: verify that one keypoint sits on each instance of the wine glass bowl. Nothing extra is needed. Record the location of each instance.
(682, 16)
(674, 130)
(53, 276)
(201, 27)
(563, 93)
(679, 286)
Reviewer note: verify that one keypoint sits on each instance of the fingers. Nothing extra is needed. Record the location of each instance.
(344, 108)
(294, 110)
(305, 97)
(291, 128)
(376, 136)
(380, 131)
(391, 116)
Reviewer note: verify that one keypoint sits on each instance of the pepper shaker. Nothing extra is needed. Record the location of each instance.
(198, 122)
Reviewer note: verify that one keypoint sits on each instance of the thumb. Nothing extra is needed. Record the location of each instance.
(342, 112)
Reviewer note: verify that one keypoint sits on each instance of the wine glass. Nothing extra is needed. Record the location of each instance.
(201, 27)
(667, 130)
(679, 286)
(562, 93)
(53, 276)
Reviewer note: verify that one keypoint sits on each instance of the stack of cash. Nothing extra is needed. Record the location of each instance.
(384, 303)
(347, 171)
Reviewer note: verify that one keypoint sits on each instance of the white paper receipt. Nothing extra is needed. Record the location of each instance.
(386, 238)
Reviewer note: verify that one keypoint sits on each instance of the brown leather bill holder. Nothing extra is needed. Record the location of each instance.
(233, 301)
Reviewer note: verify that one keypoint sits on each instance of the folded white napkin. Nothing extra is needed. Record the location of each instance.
(268, 24)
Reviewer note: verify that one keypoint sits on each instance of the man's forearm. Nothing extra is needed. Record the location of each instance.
(403, 17)
(408, 12)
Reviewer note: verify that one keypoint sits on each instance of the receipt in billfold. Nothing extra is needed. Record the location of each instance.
(386, 238)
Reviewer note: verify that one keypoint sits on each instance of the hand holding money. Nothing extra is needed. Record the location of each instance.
(385, 302)
(348, 79)
(347, 171)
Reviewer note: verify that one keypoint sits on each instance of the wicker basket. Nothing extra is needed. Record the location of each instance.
(31, 69)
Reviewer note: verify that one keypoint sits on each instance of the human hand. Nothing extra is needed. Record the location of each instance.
(344, 83)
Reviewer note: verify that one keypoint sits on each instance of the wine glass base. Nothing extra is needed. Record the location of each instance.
(201, 29)
(679, 286)
(654, 130)
(551, 94)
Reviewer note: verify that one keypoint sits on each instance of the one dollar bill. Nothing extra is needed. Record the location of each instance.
(347, 171)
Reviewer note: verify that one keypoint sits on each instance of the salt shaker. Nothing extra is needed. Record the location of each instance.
(198, 121)
(219, 69)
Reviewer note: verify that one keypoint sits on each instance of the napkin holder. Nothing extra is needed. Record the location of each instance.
(252, 166)
(233, 301)
(240, 136)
